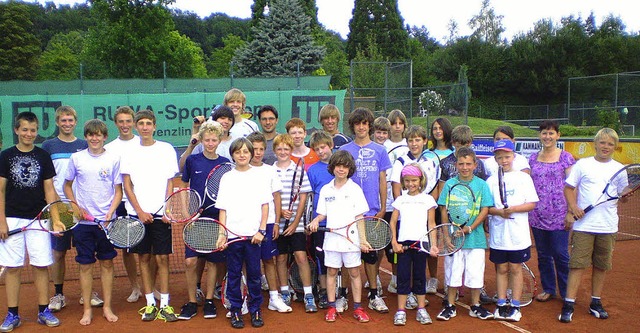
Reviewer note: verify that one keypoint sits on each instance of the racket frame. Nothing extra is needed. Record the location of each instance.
(473, 207)
(295, 189)
(167, 210)
(41, 215)
(349, 231)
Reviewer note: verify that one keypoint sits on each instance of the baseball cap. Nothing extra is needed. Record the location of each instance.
(504, 144)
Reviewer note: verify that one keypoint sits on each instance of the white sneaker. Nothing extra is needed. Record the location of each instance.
(393, 287)
(423, 317)
(412, 302)
(277, 304)
(377, 304)
(135, 295)
(432, 286)
(342, 304)
(57, 302)
(95, 300)
(400, 318)
(245, 309)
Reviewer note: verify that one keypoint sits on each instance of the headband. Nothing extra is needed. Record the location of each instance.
(411, 170)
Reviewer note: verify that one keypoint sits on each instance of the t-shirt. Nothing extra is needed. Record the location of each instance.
(25, 173)
(548, 178)
(95, 176)
(121, 147)
(340, 140)
(414, 214)
(243, 128)
(271, 175)
(286, 176)
(196, 171)
(448, 168)
(341, 206)
(520, 163)
(511, 234)
(150, 168)
(371, 159)
(222, 150)
(394, 150)
(241, 195)
(319, 176)
(309, 159)
(269, 155)
(476, 239)
(442, 153)
(590, 177)
(60, 152)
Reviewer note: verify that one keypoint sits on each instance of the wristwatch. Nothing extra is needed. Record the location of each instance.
(263, 232)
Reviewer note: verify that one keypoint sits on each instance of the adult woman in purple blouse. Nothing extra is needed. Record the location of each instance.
(549, 168)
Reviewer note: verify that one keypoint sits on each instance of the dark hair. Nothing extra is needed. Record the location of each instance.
(237, 145)
(464, 152)
(257, 137)
(223, 111)
(144, 114)
(95, 126)
(507, 130)
(344, 158)
(361, 115)
(266, 108)
(446, 126)
(27, 116)
(549, 124)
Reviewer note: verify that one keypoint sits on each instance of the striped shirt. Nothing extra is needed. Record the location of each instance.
(286, 175)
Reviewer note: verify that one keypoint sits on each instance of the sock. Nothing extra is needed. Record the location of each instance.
(307, 290)
(595, 299)
(164, 300)
(570, 300)
(199, 285)
(501, 302)
(13, 310)
(357, 305)
(58, 288)
(515, 302)
(332, 304)
(373, 292)
(273, 294)
(41, 307)
(150, 299)
(394, 279)
(284, 290)
(402, 310)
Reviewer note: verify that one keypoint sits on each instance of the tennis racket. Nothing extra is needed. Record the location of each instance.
(123, 232)
(376, 231)
(502, 188)
(181, 206)
(622, 184)
(203, 234)
(224, 298)
(529, 286)
(448, 239)
(212, 184)
(396, 152)
(66, 212)
(295, 278)
(460, 204)
(296, 186)
(430, 164)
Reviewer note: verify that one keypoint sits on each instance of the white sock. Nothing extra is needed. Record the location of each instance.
(307, 290)
(394, 278)
(164, 300)
(284, 289)
(150, 299)
(273, 294)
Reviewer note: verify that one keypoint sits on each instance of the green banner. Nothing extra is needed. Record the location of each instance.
(174, 112)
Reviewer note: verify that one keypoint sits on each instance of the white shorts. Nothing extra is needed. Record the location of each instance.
(469, 262)
(335, 259)
(37, 244)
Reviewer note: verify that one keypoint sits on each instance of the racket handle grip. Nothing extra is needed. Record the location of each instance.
(588, 208)
(405, 247)
(323, 229)
(13, 232)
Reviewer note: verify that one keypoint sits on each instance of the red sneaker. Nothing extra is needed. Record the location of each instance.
(331, 315)
(362, 316)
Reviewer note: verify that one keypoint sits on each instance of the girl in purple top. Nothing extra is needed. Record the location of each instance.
(549, 168)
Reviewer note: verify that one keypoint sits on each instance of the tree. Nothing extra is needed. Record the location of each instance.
(487, 26)
(258, 11)
(61, 58)
(133, 39)
(281, 42)
(379, 22)
(221, 58)
(19, 47)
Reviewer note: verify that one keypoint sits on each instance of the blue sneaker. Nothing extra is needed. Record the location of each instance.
(11, 321)
(46, 317)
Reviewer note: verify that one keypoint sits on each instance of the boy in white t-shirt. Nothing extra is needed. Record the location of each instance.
(96, 173)
(341, 202)
(594, 233)
(509, 238)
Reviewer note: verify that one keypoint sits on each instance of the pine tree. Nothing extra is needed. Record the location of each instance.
(381, 20)
(281, 42)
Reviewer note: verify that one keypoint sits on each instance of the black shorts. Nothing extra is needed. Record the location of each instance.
(121, 210)
(157, 239)
(370, 257)
(293, 243)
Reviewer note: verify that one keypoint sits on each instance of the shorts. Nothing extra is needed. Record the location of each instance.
(268, 247)
(509, 256)
(91, 243)
(157, 239)
(469, 262)
(589, 248)
(62, 243)
(336, 260)
(216, 257)
(293, 243)
(318, 242)
(370, 257)
(36, 243)
(121, 210)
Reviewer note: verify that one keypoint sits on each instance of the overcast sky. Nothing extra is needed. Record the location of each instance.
(519, 15)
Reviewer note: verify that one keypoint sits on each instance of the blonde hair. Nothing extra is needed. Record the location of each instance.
(423, 178)
(211, 126)
(235, 94)
(66, 110)
(607, 133)
(283, 139)
(329, 111)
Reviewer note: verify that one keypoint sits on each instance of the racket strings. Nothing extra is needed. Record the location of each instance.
(68, 213)
(202, 235)
(449, 238)
(126, 232)
(183, 205)
(377, 233)
(460, 204)
(212, 185)
(632, 181)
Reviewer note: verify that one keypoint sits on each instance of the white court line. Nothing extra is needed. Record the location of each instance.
(505, 323)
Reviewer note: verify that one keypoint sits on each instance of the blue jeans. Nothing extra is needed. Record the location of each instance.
(553, 259)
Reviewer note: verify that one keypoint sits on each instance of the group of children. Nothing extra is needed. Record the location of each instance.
(379, 174)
